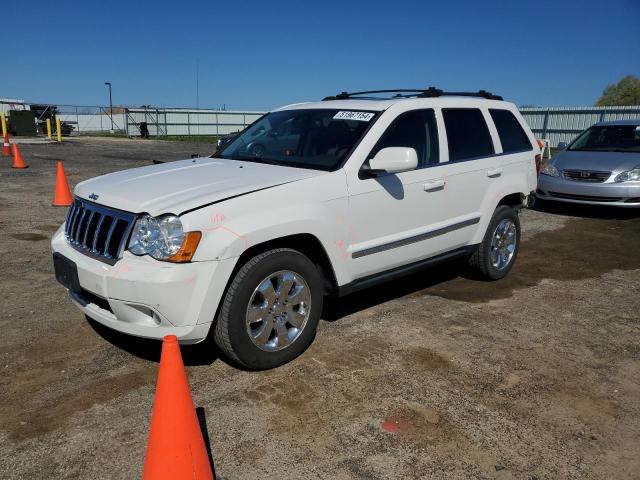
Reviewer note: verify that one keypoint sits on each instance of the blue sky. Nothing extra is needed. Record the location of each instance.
(261, 54)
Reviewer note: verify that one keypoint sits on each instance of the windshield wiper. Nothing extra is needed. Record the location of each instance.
(256, 159)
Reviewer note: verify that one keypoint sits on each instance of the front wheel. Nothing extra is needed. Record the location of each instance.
(497, 253)
(271, 310)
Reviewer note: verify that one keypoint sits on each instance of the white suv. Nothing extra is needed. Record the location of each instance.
(312, 199)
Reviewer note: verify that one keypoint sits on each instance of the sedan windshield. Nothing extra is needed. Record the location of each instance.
(609, 138)
(318, 139)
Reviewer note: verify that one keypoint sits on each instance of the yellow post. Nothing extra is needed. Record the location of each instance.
(49, 128)
(59, 129)
(4, 124)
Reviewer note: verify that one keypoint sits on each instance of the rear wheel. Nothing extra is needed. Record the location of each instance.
(497, 253)
(271, 310)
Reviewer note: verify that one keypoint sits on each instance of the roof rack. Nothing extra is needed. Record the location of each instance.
(430, 92)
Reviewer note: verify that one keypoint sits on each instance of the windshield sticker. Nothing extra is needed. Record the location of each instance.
(359, 116)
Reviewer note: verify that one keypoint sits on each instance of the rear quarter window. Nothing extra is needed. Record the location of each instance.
(467, 134)
(512, 135)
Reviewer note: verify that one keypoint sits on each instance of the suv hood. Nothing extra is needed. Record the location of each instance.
(177, 187)
(602, 161)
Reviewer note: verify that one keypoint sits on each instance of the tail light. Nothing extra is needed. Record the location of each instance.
(538, 163)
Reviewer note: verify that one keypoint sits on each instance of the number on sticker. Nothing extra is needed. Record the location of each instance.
(349, 115)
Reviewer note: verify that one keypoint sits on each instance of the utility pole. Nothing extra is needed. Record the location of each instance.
(110, 105)
(198, 93)
(197, 84)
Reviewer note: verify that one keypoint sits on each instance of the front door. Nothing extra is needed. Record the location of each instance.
(395, 219)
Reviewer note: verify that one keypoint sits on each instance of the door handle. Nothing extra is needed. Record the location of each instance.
(494, 173)
(434, 185)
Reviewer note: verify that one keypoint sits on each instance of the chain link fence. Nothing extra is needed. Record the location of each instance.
(92, 119)
(186, 122)
(76, 119)
(555, 124)
(160, 122)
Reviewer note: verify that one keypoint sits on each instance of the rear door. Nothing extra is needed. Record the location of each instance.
(518, 153)
(471, 167)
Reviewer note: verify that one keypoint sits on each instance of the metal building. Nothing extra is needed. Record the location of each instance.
(563, 124)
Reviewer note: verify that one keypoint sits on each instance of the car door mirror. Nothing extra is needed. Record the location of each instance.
(562, 146)
(393, 160)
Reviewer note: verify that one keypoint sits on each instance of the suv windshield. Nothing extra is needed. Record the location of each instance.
(609, 138)
(319, 139)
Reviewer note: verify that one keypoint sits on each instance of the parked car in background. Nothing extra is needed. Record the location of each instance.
(600, 167)
(224, 139)
(285, 136)
(66, 127)
(342, 194)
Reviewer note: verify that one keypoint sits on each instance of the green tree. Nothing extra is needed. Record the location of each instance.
(625, 92)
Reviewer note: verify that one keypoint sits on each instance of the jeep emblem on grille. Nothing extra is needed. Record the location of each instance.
(93, 196)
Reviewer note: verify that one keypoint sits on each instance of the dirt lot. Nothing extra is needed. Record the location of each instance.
(434, 376)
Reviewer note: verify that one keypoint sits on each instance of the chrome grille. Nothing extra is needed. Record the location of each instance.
(98, 231)
(587, 176)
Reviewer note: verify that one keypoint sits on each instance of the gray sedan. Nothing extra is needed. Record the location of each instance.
(600, 167)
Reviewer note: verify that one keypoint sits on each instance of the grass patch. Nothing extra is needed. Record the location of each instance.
(100, 134)
(213, 139)
(190, 138)
(555, 151)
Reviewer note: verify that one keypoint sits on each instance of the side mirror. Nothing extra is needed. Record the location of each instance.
(562, 145)
(393, 160)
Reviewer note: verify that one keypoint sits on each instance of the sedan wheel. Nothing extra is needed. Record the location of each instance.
(256, 150)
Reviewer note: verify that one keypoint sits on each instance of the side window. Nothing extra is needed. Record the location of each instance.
(416, 129)
(510, 131)
(467, 133)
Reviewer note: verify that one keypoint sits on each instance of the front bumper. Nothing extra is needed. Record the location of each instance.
(625, 195)
(147, 298)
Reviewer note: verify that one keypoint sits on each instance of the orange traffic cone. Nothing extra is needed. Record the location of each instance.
(62, 196)
(176, 448)
(18, 161)
(6, 147)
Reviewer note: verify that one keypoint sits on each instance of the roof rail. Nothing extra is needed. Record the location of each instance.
(430, 92)
(435, 92)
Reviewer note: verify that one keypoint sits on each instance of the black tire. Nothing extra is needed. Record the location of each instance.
(256, 150)
(480, 261)
(231, 334)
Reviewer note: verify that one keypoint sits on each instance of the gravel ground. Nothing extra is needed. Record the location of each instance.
(437, 375)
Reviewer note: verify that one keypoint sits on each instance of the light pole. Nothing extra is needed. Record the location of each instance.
(110, 105)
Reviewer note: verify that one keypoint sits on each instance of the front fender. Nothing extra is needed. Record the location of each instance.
(315, 206)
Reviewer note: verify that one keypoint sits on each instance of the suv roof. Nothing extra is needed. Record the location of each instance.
(370, 99)
(400, 93)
